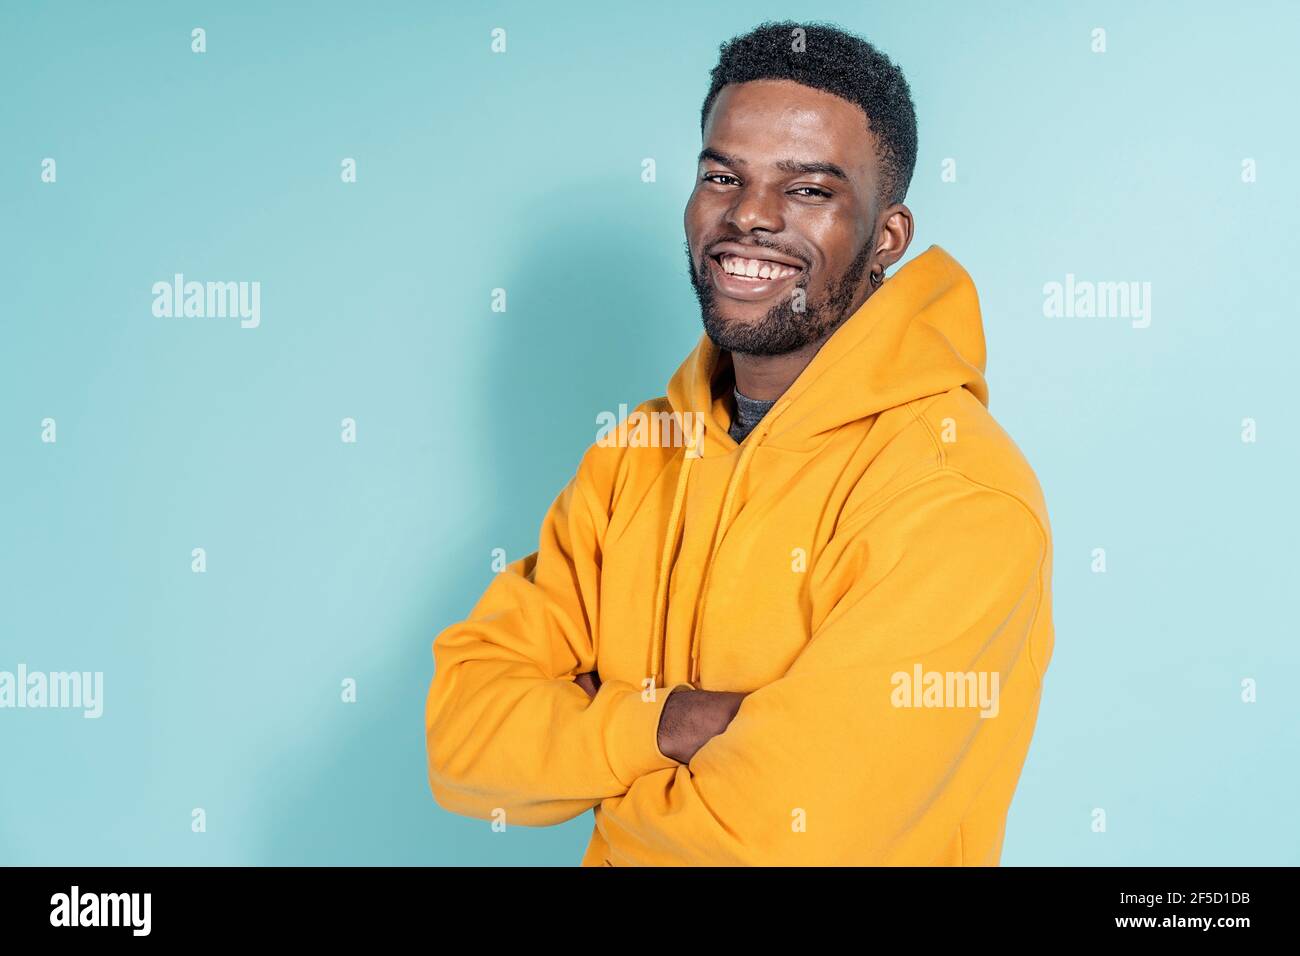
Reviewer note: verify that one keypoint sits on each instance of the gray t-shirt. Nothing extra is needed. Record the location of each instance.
(749, 411)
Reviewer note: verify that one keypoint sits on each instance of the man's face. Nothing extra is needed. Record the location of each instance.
(788, 176)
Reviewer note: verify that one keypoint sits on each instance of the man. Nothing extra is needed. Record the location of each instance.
(813, 630)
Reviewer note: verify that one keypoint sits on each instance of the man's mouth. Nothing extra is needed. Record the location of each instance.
(750, 279)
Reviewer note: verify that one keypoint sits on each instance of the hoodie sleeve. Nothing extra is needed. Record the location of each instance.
(837, 762)
(506, 728)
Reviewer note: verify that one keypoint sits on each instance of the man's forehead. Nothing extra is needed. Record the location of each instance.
(770, 122)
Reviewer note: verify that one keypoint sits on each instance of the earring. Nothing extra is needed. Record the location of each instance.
(877, 278)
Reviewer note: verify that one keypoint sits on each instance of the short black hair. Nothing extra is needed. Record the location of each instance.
(837, 62)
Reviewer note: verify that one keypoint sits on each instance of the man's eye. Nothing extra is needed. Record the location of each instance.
(819, 193)
(714, 177)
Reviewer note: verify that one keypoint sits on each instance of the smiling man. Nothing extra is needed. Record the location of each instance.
(815, 630)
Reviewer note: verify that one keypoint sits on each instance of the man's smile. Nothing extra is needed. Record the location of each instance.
(751, 273)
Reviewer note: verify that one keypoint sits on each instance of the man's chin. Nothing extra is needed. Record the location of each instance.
(747, 336)
(731, 332)
(756, 328)
(727, 322)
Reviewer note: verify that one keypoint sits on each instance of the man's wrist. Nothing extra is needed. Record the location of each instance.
(692, 717)
(672, 727)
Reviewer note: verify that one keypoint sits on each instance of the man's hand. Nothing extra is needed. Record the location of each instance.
(590, 682)
(691, 718)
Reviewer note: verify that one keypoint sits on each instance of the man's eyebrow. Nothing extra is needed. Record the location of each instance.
(784, 165)
(718, 157)
(794, 166)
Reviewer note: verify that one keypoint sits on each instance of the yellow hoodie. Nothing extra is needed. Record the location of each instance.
(872, 566)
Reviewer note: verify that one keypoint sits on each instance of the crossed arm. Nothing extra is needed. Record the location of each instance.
(820, 766)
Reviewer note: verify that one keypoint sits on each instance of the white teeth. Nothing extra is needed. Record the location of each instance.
(755, 268)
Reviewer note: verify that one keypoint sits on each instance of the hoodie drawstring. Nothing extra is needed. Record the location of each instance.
(659, 636)
(733, 485)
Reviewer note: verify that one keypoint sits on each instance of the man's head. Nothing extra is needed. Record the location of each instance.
(809, 140)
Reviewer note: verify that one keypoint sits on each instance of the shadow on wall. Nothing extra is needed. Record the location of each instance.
(590, 323)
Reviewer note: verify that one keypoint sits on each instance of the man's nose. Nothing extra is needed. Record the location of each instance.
(757, 207)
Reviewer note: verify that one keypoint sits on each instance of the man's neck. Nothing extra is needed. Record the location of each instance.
(766, 377)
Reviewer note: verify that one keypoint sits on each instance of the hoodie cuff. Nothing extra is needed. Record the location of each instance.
(632, 738)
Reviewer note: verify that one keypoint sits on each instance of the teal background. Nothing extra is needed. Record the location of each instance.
(476, 171)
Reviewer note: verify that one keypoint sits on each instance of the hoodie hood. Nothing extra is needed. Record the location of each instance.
(919, 334)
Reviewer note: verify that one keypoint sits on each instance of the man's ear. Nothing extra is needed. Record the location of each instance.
(893, 234)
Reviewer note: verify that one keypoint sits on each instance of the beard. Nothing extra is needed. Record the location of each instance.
(782, 329)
